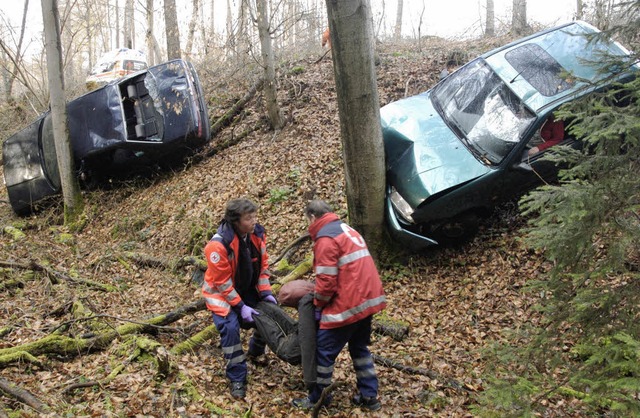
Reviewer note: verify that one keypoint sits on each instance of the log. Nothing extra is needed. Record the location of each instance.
(226, 119)
(69, 346)
(191, 343)
(23, 396)
(397, 330)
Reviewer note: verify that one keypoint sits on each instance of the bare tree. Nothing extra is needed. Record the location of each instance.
(269, 86)
(490, 26)
(398, 28)
(519, 17)
(153, 52)
(351, 27)
(192, 26)
(129, 25)
(171, 27)
(579, 9)
(73, 204)
(18, 56)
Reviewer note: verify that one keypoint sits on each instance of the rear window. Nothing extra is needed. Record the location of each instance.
(539, 68)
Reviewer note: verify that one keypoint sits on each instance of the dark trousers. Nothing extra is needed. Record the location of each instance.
(329, 344)
(229, 329)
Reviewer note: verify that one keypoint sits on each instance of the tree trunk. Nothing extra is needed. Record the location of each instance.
(490, 25)
(173, 34)
(350, 24)
(192, 26)
(151, 56)
(269, 87)
(519, 17)
(579, 9)
(398, 28)
(73, 204)
(129, 26)
(117, 19)
(18, 60)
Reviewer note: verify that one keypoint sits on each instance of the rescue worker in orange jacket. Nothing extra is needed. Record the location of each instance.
(235, 281)
(348, 291)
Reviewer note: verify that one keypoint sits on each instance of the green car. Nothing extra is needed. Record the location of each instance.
(474, 140)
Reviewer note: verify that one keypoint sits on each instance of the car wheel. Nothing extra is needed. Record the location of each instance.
(457, 229)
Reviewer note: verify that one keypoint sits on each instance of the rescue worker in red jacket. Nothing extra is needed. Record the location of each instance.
(235, 281)
(348, 291)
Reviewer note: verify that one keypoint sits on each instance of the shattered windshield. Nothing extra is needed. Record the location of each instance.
(482, 110)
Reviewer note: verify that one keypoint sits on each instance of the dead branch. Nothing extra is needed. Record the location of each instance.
(325, 393)
(23, 396)
(418, 370)
(226, 119)
(323, 55)
(70, 346)
(54, 275)
(286, 253)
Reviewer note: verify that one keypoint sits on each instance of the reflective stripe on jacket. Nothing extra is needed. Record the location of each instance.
(348, 287)
(218, 289)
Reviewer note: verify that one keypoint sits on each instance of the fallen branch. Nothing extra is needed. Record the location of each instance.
(225, 119)
(418, 370)
(23, 396)
(69, 346)
(294, 245)
(55, 276)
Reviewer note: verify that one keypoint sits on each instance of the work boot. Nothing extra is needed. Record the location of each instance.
(372, 404)
(238, 389)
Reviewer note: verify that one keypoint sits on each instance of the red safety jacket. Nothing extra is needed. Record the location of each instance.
(221, 254)
(348, 286)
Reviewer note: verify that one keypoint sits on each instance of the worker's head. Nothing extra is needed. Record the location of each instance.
(316, 208)
(241, 214)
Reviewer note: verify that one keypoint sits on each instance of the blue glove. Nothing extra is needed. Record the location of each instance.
(246, 312)
(317, 314)
(270, 299)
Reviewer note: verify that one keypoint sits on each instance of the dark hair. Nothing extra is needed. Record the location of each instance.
(238, 207)
(317, 208)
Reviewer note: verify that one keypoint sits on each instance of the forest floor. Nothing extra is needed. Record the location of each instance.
(457, 301)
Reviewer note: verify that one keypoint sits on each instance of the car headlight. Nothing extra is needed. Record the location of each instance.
(401, 206)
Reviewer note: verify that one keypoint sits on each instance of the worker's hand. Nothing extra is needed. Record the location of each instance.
(270, 299)
(247, 313)
(317, 314)
(534, 151)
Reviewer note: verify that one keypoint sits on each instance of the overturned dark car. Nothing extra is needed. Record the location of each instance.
(154, 113)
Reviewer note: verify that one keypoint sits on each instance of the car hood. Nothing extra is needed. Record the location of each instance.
(423, 155)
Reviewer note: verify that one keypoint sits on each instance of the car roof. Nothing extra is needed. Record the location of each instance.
(570, 46)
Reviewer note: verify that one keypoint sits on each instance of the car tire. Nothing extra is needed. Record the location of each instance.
(456, 230)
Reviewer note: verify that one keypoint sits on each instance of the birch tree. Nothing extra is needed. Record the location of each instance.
(351, 28)
(73, 204)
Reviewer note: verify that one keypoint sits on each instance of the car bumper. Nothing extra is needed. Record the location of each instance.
(402, 235)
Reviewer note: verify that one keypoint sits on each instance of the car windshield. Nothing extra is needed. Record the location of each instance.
(488, 117)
